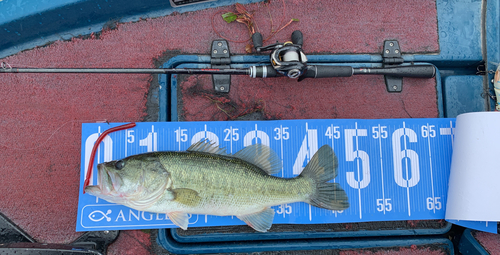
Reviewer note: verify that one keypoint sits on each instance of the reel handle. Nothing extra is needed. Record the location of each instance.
(297, 38)
(257, 41)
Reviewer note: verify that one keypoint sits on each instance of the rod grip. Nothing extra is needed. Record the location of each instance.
(320, 71)
(415, 71)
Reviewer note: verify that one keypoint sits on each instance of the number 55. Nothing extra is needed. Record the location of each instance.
(381, 203)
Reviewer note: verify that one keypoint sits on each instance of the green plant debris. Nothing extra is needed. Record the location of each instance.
(229, 17)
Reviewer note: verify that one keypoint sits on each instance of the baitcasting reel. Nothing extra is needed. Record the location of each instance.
(287, 58)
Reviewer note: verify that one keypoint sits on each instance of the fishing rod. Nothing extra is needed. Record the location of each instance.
(287, 59)
(312, 71)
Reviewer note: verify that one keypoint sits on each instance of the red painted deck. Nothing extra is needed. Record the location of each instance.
(362, 97)
(41, 114)
(489, 241)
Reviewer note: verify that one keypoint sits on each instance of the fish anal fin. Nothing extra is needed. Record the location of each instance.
(260, 221)
(180, 219)
(187, 197)
(261, 156)
(206, 146)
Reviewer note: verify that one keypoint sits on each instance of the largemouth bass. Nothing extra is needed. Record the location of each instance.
(206, 180)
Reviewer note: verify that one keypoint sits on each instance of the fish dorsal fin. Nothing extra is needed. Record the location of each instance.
(260, 221)
(205, 145)
(261, 156)
(180, 219)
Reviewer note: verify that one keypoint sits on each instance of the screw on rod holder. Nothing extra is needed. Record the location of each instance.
(391, 56)
(220, 59)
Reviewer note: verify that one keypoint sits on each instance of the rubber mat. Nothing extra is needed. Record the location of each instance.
(40, 166)
(423, 226)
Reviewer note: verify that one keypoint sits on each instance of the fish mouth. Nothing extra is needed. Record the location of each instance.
(109, 181)
(104, 182)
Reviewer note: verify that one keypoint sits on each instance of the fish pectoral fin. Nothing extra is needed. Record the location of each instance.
(187, 197)
(180, 219)
(260, 221)
(262, 156)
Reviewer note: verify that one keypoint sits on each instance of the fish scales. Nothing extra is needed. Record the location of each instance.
(228, 185)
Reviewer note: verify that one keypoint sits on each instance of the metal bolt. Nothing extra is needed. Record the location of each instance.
(219, 44)
(396, 51)
(224, 51)
(106, 231)
(387, 51)
(391, 44)
(394, 87)
(221, 88)
(215, 51)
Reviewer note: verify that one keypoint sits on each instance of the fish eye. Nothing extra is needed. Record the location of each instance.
(119, 165)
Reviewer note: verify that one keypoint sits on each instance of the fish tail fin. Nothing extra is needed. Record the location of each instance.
(322, 168)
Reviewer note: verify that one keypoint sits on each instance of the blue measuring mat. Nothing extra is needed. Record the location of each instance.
(487, 226)
(391, 169)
